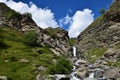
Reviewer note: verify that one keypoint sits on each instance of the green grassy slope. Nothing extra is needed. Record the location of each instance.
(12, 50)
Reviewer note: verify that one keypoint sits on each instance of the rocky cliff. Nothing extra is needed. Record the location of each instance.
(99, 45)
(27, 51)
(54, 38)
(102, 38)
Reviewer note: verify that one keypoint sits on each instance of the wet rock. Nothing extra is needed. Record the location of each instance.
(44, 77)
(82, 73)
(89, 79)
(80, 62)
(98, 74)
(112, 73)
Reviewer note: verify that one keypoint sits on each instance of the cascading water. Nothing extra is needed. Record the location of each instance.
(91, 75)
(73, 74)
(74, 51)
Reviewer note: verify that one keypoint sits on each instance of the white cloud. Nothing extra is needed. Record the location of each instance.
(43, 17)
(80, 21)
(65, 21)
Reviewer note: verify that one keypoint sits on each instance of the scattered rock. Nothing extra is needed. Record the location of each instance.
(118, 78)
(98, 74)
(6, 61)
(82, 73)
(112, 73)
(3, 78)
(41, 68)
(79, 62)
(24, 61)
(89, 79)
(110, 52)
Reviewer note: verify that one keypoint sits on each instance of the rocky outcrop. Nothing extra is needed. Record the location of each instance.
(103, 32)
(15, 20)
(3, 78)
(56, 39)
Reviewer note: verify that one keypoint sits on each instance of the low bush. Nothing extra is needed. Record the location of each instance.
(61, 66)
(30, 38)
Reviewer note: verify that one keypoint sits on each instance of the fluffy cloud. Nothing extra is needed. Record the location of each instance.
(65, 21)
(80, 21)
(43, 17)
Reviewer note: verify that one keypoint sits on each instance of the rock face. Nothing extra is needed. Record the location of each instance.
(100, 44)
(54, 38)
(104, 32)
(9, 17)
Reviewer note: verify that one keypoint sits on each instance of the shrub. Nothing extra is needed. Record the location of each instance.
(95, 53)
(72, 41)
(11, 14)
(27, 14)
(62, 66)
(30, 38)
(102, 11)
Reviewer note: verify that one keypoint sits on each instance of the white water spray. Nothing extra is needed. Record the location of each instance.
(73, 76)
(91, 75)
(74, 51)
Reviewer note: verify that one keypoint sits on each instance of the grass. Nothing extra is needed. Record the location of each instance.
(114, 7)
(117, 46)
(72, 41)
(95, 53)
(50, 31)
(114, 64)
(14, 50)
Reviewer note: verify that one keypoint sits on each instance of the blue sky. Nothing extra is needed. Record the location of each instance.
(63, 7)
(72, 15)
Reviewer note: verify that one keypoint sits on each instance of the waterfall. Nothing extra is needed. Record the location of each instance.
(73, 76)
(74, 51)
(91, 75)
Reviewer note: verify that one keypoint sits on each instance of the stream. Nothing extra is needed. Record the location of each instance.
(82, 70)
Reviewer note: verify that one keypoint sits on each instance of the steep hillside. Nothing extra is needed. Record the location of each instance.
(19, 61)
(102, 38)
(27, 50)
(51, 37)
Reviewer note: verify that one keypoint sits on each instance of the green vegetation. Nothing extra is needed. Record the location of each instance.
(117, 46)
(27, 14)
(102, 11)
(115, 7)
(52, 32)
(30, 38)
(72, 41)
(15, 50)
(11, 14)
(61, 66)
(115, 64)
(95, 53)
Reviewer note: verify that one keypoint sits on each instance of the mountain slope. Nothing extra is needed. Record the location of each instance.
(22, 60)
(102, 38)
